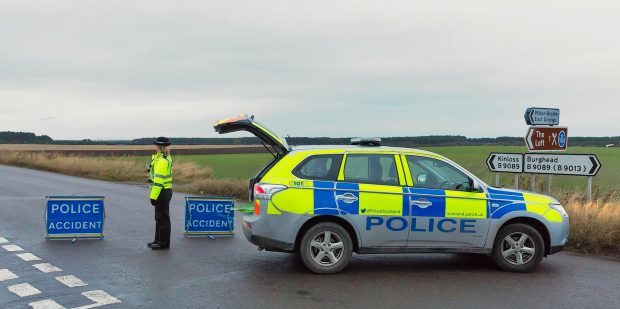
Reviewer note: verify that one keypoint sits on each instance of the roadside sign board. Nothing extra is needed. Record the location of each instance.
(536, 116)
(71, 217)
(547, 138)
(205, 216)
(505, 162)
(562, 164)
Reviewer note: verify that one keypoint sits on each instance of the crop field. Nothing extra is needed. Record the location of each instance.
(242, 162)
(130, 150)
(62, 148)
(473, 158)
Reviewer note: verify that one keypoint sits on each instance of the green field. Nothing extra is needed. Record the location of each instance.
(473, 158)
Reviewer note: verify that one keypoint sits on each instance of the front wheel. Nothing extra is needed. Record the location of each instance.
(326, 248)
(518, 248)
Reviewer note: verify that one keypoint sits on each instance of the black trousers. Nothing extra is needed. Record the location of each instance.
(162, 218)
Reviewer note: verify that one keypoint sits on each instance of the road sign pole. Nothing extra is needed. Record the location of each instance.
(549, 185)
(497, 179)
(590, 189)
(517, 181)
(533, 183)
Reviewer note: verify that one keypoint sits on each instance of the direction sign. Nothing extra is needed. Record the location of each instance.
(536, 116)
(562, 164)
(505, 162)
(547, 138)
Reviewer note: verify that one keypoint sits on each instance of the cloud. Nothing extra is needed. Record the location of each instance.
(120, 69)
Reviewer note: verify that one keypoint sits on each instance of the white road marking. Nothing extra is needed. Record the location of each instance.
(12, 248)
(71, 281)
(3, 240)
(28, 257)
(46, 304)
(23, 290)
(6, 274)
(100, 298)
(47, 267)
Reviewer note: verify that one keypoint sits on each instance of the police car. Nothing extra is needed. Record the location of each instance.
(326, 202)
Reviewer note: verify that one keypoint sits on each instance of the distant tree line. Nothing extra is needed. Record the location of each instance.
(404, 141)
(8, 137)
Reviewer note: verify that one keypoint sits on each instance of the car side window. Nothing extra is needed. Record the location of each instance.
(319, 167)
(371, 169)
(436, 174)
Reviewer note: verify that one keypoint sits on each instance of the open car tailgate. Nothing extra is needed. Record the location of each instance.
(245, 123)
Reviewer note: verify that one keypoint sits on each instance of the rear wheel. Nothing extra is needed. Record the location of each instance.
(326, 248)
(518, 248)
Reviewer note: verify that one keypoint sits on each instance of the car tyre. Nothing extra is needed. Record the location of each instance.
(518, 248)
(326, 248)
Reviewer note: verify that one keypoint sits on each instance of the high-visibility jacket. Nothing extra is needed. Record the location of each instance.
(160, 174)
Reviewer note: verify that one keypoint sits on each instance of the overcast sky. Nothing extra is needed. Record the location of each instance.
(128, 69)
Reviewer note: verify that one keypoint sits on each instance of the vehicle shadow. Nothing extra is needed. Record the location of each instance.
(413, 263)
(421, 263)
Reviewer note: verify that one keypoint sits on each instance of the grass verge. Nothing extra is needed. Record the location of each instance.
(594, 226)
(188, 177)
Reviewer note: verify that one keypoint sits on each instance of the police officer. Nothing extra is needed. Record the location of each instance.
(160, 179)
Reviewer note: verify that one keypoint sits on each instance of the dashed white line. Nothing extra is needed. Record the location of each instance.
(101, 298)
(71, 281)
(6, 274)
(12, 248)
(28, 257)
(45, 304)
(23, 290)
(46, 267)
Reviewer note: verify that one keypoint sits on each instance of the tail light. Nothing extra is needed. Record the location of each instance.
(264, 191)
(257, 207)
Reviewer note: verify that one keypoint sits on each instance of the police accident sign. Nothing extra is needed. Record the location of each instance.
(74, 217)
(209, 216)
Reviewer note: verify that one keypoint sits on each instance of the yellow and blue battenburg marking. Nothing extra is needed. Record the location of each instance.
(504, 202)
(342, 198)
(326, 200)
(434, 196)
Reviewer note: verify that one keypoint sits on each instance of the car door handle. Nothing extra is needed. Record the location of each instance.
(422, 203)
(348, 198)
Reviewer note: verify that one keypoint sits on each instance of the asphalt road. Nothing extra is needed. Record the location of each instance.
(231, 273)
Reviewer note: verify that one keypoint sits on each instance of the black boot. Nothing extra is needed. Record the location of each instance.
(151, 244)
(159, 246)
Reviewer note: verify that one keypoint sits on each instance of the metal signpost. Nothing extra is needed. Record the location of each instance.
(209, 216)
(547, 139)
(74, 217)
(537, 116)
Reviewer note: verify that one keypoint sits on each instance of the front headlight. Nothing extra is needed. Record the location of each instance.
(560, 209)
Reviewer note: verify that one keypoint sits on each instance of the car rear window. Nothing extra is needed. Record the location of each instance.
(319, 167)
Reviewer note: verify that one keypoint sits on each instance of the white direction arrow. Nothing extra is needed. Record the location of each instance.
(505, 162)
(562, 164)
